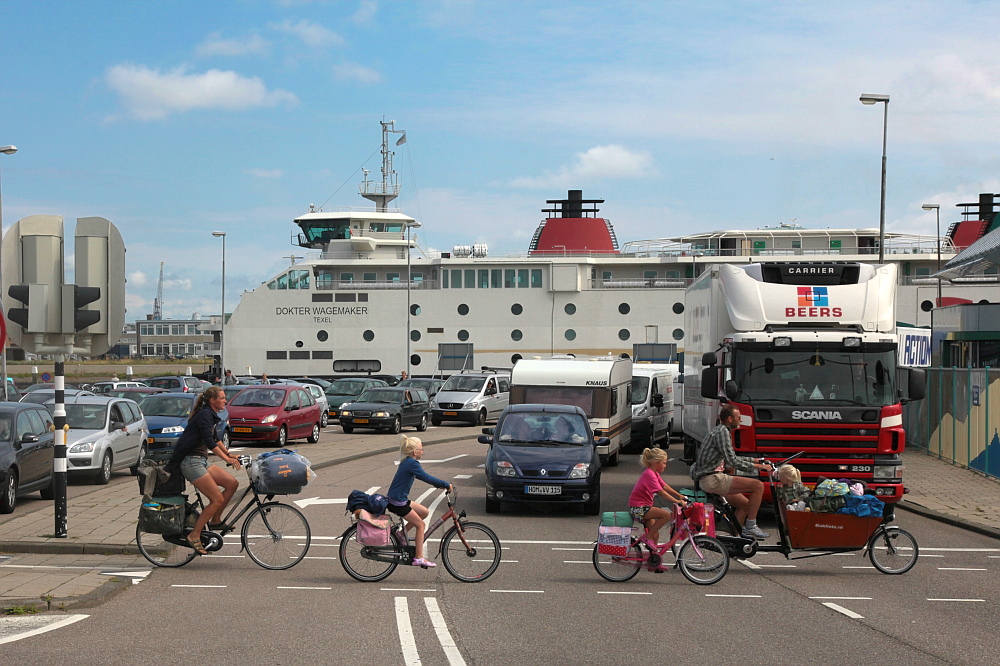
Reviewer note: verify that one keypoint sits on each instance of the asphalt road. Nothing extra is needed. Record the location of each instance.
(545, 604)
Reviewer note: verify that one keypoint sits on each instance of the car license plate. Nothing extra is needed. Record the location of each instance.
(451, 413)
(361, 420)
(543, 490)
(242, 429)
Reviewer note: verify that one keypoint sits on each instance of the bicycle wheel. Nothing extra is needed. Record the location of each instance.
(479, 560)
(160, 552)
(352, 558)
(893, 550)
(618, 569)
(276, 536)
(703, 560)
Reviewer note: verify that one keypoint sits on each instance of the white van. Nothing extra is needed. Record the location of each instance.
(652, 404)
(473, 397)
(601, 386)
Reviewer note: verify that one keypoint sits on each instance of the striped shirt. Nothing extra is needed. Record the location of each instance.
(718, 448)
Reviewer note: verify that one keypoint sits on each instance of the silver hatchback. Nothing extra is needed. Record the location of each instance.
(105, 434)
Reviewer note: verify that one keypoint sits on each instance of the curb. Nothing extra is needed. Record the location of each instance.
(91, 599)
(949, 520)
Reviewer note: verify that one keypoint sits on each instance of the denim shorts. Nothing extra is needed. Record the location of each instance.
(194, 467)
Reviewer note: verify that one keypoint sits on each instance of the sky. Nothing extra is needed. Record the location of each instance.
(177, 119)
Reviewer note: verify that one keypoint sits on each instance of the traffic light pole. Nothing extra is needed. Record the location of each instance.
(59, 461)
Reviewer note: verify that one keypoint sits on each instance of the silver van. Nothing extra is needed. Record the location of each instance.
(473, 397)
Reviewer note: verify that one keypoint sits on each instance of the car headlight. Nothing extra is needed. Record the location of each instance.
(82, 447)
(343, 413)
(472, 404)
(269, 419)
(434, 405)
(503, 468)
(580, 471)
(344, 404)
(381, 415)
(640, 410)
(172, 429)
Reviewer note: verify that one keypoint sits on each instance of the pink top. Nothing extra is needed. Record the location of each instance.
(645, 488)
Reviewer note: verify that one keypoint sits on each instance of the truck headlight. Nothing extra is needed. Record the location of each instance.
(503, 468)
(580, 471)
(887, 471)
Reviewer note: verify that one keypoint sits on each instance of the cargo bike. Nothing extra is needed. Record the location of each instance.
(891, 549)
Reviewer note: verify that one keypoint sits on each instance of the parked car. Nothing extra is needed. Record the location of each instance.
(545, 454)
(432, 386)
(473, 397)
(320, 398)
(387, 408)
(26, 452)
(167, 415)
(104, 388)
(182, 383)
(12, 394)
(343, 391)
(391, 380)
(138, 393)
(232, 391)
(275, 413)
(42, 396)
(105, 434)
(322, 383)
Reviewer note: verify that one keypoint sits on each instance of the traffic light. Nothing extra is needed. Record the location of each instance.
(32, 317)
(20, 293)
(74, 299)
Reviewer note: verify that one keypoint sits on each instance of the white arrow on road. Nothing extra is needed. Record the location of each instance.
(136, 576)
(303, 503)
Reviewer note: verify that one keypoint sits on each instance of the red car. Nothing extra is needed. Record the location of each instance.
(275, 413)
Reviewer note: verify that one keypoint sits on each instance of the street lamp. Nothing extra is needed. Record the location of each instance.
(6, 150)
(872, 99)
(937, 213)
(222, 325)
(410, 224)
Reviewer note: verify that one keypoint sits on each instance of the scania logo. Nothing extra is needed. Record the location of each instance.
(826, 416)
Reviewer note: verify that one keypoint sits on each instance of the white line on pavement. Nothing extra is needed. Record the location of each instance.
(198, 586)
(845, 598)
(603, 592)
(521, 591)
(295, 587)
(958, 569)
(748, 564)
(736, 596)
(584, 549)
(444, 636)
(463, 476)
(845, 611)
(406, 641)
(956, 600)
(319, 557)
(577, 562)
(406, 589)
(856, 567)
(41, 630)
(963, 550)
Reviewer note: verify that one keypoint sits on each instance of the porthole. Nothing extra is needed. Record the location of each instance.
(463, 309)
(414, 309)
(322, 336)
(515, 358)
(463, 335)
(570, 334)
(415, 335)
(516, 309)
(623, 334)
(678, 308)
(927, 306)
(298, 343)
(368, 335)
(678, 333)
(624, 308)
(516, 335)
(570, 308)
(415, 359)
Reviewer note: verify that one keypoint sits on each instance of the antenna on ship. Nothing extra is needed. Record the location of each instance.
(382, 193)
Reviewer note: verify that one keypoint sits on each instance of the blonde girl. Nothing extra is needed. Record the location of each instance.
(411, 449)
(650, 484)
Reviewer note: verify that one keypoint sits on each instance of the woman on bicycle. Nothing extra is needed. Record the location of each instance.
(650, 483)
(191, 457)
(411, 449)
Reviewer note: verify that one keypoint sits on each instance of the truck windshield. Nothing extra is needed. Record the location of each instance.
(464, 384)
(800, 377)
(640, 387)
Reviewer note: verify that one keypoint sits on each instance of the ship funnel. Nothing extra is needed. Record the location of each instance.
(574, 204)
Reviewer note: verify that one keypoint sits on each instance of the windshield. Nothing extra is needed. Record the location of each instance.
(5, 428)
(464, 384)
(86, 417)
(166, 406)
(543, 430)
(259, 397)
(381, 395)
(640, 385)
(345, 387)
(813, 377)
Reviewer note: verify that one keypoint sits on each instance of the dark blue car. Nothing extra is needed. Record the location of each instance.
(167, 416)
(542, 454)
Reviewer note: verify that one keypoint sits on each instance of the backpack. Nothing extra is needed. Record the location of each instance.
(828, 496)
(373, 504)
(372, 530)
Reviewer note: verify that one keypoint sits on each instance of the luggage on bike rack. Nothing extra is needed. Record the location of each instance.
(280, 473)
(617, 518)
(372, 530)
(164, 484)
(162, 515)
(614, 541)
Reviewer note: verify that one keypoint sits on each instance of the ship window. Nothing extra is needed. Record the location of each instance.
(516, 309)
(444, 279)
(570, 308)
(365, 365)
(277, 355)
(322, 355)
(435, 330)
(484, 279)
(515, 358)
(349, 297)
(298, 355)
(417, 277)
(322, 298)
(672, 274)
(362, 298)
(927, 306)
(299, 343)
(456, 279)
(796, 244)
(496, 278)
(415, 359)
(508, 278)
(649, 275)
(923, 271)
(368, 336)
(392, 277)
(624, 308)
(370, 277)
(463, 309)
(623, 334)
(283, 281)
(390, 227)
(522, 278)
(570, 334)
(329, 230)
(415, 335)
(470, 279)
(678, 308)
(536, 278)
(414, 309)
(606, 275)
(273, 284)
(324, 279)
(346, 277)
(678, 333)
(322, 336)
(463, 335)
(516, 335)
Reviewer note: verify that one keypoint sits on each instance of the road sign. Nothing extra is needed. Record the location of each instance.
(46, 377)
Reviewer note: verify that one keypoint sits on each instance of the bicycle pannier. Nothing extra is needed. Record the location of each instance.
(613, 540)
(162, 515)
(372, 530)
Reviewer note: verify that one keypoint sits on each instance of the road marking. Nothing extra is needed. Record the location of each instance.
(521, 591)
(444, 636)
(501, 561)
(443, 460)
(956, 600)
(406, 589)
(309, 501)
(962, 550)
(481, 465)
(958, 569)
(584, 549)
(198, 586)
(462, 476)
(845, 611)
(135, 576)
(433, 507)
(292, 587)
(603, 592)
(577, 562)
(929, 555)
(748, 564)
(319, 557)
(58, 624)
(406, 641)
(856, 567)
(845, 598)
(214, 555)
(736, 596)
(45, 566)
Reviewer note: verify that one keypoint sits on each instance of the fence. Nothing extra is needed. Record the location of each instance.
(959, 418)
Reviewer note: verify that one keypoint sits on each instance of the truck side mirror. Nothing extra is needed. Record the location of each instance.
(732, 390)
(709, 358)
(657, 400)
(916, 386)
(710, 383)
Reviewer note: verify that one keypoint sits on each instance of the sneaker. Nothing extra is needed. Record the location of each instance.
(420, 562)
(754, 533)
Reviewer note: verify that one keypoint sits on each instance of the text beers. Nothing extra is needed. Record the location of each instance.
(814, 312)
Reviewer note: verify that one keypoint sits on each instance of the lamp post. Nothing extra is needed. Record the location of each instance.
(6, 150)
(937, 214)
(410, 224)
(222, 325)
(872, 99)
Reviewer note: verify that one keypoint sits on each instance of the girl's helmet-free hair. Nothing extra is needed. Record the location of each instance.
(789, 473)
(407, 445)
(652, 456)
(210, 393)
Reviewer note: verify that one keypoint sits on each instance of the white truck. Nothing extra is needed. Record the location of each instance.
(653, 410)
(808, 352)
(601, 386)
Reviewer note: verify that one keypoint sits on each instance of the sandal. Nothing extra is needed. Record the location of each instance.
(420, 562)
(198, 546)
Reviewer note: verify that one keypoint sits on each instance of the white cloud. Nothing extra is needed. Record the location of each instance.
(365, 13)
(264, 173)
(311, 34)
(216, 45)
(149, 94)
(600, 162)
(352, 71)
(183, 284)
(137, 279)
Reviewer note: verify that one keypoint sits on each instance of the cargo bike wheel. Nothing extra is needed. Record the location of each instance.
(893, 550)
(163, 551)
(276, 535)
(703, 560)
(479, 560)
(618, 569)
(359, 567)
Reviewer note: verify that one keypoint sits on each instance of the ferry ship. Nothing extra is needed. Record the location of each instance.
(368, 298)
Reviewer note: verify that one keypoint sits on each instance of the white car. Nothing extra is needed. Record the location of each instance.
(105, 434)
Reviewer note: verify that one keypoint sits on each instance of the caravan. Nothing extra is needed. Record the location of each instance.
(601, 386)
(653, 396)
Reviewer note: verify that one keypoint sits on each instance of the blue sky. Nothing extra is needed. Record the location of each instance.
(176, 119)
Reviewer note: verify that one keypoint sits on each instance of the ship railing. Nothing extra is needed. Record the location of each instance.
(373, 285)
(640, 283)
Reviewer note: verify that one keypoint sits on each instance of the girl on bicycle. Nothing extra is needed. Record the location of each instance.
(650, 483)
(411, 449)
(191, 457)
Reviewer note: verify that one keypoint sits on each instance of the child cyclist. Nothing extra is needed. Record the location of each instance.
(411, 449)
(650, 483)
